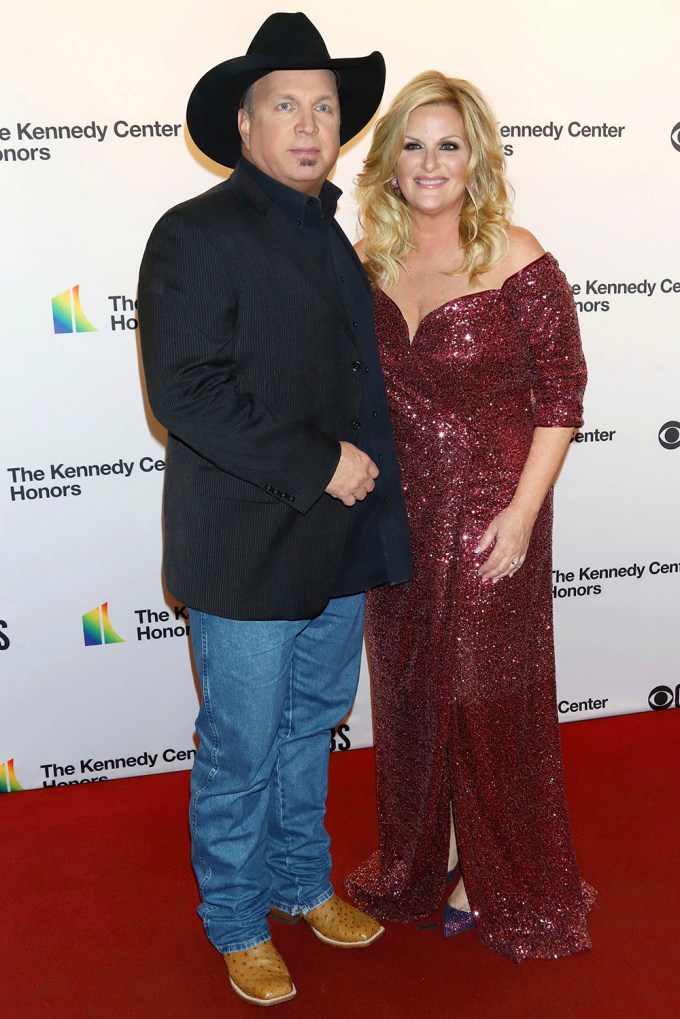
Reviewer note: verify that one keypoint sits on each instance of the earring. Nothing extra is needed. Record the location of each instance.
(394, 183)
(472, 186)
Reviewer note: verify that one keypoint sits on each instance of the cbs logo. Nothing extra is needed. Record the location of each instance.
(675, 137)
(663, 697)
(669, 435)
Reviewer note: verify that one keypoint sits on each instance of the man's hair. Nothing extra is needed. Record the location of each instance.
(247, 100)
(384, 214)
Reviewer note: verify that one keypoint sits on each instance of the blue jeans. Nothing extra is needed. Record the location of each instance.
(271, 693)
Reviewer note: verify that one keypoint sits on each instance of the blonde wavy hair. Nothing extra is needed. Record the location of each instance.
(384, 214)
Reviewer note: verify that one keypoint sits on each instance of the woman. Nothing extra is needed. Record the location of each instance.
(485, 375)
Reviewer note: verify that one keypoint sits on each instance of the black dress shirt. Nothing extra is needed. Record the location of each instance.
(378, 547)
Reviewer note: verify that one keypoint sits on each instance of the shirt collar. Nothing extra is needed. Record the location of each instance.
(295, 204)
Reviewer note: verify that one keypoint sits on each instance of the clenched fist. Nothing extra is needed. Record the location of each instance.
(354, 476)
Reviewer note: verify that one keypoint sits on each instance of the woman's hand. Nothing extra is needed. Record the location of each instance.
(511, 531)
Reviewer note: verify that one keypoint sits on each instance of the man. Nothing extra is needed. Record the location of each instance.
(282, 500)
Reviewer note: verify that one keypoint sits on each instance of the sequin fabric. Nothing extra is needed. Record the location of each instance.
(463, 672)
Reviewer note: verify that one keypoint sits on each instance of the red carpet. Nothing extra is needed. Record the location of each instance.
(98, 903)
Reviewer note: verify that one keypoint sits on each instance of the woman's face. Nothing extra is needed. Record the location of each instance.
(432, 164)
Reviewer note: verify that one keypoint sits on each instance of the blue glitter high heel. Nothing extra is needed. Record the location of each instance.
(456, 921)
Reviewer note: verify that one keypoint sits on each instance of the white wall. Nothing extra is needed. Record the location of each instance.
(77, 212)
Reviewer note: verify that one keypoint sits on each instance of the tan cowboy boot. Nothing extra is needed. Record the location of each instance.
(338, 923)
(259, 975)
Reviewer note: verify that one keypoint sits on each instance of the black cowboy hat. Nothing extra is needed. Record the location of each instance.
(285, 42)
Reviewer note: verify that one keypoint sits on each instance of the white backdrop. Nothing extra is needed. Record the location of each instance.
(96, 681)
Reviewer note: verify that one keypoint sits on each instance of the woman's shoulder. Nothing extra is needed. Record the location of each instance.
(523, 249)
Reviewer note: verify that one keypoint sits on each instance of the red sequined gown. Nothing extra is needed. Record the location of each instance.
(463, 672)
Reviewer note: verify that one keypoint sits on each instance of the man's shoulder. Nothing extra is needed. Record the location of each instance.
(223, 201)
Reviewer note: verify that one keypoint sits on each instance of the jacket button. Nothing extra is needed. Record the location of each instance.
(356, 366)
(356, 425)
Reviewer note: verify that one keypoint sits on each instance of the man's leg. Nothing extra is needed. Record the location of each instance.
(245, 670)
(322, 685)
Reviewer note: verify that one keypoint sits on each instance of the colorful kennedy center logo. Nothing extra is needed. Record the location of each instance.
(8, 780)
(68, 315)
(97, 628)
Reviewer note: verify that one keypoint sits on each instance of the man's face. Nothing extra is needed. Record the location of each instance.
(293, 133)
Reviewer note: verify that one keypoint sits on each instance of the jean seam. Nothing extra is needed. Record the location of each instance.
(205, 675)
(278, 764)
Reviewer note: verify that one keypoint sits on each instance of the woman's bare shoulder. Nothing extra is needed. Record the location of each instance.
(523, 248)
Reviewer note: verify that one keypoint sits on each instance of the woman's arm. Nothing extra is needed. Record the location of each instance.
(511, 529)
(557, 376)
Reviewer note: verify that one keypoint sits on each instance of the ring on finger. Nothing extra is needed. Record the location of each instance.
(516, 563)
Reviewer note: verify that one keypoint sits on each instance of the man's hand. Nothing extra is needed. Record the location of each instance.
(354, 476)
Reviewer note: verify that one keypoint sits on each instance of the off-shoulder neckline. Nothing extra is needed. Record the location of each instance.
(466, 297)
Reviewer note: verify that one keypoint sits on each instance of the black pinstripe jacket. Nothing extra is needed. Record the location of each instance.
(248, 358)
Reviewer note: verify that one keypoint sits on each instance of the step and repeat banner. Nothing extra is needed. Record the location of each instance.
(96, 679)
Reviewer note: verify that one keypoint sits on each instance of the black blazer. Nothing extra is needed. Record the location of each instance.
(248, 358)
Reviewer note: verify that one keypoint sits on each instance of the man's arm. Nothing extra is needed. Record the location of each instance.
(186, 321)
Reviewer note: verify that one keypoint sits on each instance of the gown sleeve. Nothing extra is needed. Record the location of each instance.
(543, 305)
